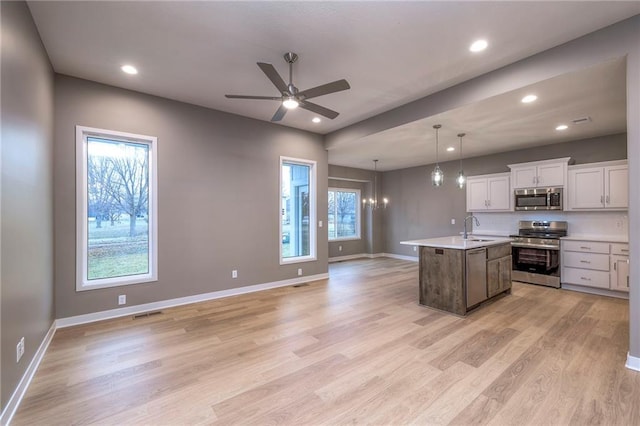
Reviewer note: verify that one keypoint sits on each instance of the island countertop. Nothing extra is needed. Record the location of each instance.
(457, 242)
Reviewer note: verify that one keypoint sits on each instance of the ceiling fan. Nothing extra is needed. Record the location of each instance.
(291, 97)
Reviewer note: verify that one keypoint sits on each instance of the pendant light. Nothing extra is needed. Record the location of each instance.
(461, 179)
(437, 177)
(372, 202)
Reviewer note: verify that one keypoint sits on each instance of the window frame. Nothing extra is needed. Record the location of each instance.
(358, 214)
(313, 190)
(82, 229)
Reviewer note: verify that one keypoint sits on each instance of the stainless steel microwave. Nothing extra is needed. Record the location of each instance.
(538, 199)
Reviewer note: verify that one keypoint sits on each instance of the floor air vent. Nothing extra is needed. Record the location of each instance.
(147, 314)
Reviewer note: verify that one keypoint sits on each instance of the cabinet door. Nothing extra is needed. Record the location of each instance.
(498, 275)
(499, 193)
(506, 266)
(616, 187)
(524, 177)
(551, 174)
(493, 277)
(477, 198)
(619, 273)
(586, 188)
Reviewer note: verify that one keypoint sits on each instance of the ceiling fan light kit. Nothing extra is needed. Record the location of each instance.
(290, 103)
(290, 97)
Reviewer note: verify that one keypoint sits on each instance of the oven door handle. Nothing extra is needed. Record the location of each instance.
(540, 246)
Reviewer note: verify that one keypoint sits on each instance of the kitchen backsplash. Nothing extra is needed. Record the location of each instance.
(610, 224)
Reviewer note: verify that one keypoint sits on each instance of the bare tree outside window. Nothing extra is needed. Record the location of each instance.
(344, 214)
(117, 189)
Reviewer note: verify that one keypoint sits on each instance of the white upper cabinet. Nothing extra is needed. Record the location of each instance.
(616, 187)
(598, 186)
(488, 193)
(586, 188)
(547, 173)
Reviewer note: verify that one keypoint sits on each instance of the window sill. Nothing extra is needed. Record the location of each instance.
(300, 259)
(114, 282)
(332, 240)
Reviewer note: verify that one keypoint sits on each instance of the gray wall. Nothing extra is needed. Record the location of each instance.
(26, 256)
(372, 230)
(351, 247)
(616, 41)
(218, 189)
(423, 211)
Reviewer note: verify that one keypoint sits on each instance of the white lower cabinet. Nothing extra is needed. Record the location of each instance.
(620, 267)
(595, 264)
(619, 273)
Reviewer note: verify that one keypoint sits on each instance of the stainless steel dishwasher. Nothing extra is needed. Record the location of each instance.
(476, 276)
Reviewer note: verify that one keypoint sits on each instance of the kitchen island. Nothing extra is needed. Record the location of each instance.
(457, 274)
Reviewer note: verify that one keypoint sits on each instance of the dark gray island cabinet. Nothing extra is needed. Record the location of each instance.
(457, 275)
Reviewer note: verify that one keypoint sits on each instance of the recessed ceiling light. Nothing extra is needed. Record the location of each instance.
(529, 98)
(316, 119)
(129, 69)
(451, 149)
(562, 127)
(478, 45)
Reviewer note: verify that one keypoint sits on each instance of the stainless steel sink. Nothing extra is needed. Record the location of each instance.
(479, 240)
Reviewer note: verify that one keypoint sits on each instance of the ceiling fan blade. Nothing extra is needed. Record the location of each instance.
(325, 89)
(270, 98)
(326, 112)
(279, 113)
(273, 75)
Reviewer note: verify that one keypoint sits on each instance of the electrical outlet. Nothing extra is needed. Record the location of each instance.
(339, 248)
(20, 349)
(453, 221)
(299, 271)
(122, 299)
(415, 248)
(234, 273)
(320, 224)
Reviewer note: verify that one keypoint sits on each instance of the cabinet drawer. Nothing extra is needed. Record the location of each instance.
(575, 259)
(622, 249)
(496, 252)
(586, 246)
(585, 277)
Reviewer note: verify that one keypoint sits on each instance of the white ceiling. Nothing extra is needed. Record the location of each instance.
(390, 52)
(502, 123)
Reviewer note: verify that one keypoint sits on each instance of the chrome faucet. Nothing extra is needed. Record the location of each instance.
(465, 224)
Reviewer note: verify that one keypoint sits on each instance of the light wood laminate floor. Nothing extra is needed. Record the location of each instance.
(356, 348)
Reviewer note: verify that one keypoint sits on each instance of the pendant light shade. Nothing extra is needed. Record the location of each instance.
(461, 179)
(437, 177)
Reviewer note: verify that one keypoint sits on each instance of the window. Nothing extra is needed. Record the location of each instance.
(116, 201)
(344, 214)
(297, 210)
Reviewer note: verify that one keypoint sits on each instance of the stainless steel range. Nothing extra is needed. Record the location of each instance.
(536, 252)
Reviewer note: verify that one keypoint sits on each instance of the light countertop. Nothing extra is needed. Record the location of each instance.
(457, 242)
(602, 238)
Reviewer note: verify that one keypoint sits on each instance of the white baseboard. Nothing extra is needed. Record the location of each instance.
(633, 363)
(594, 290)
(21, 389)
(349, 257)
(400, 256)
(373, 256)
(163, 304)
